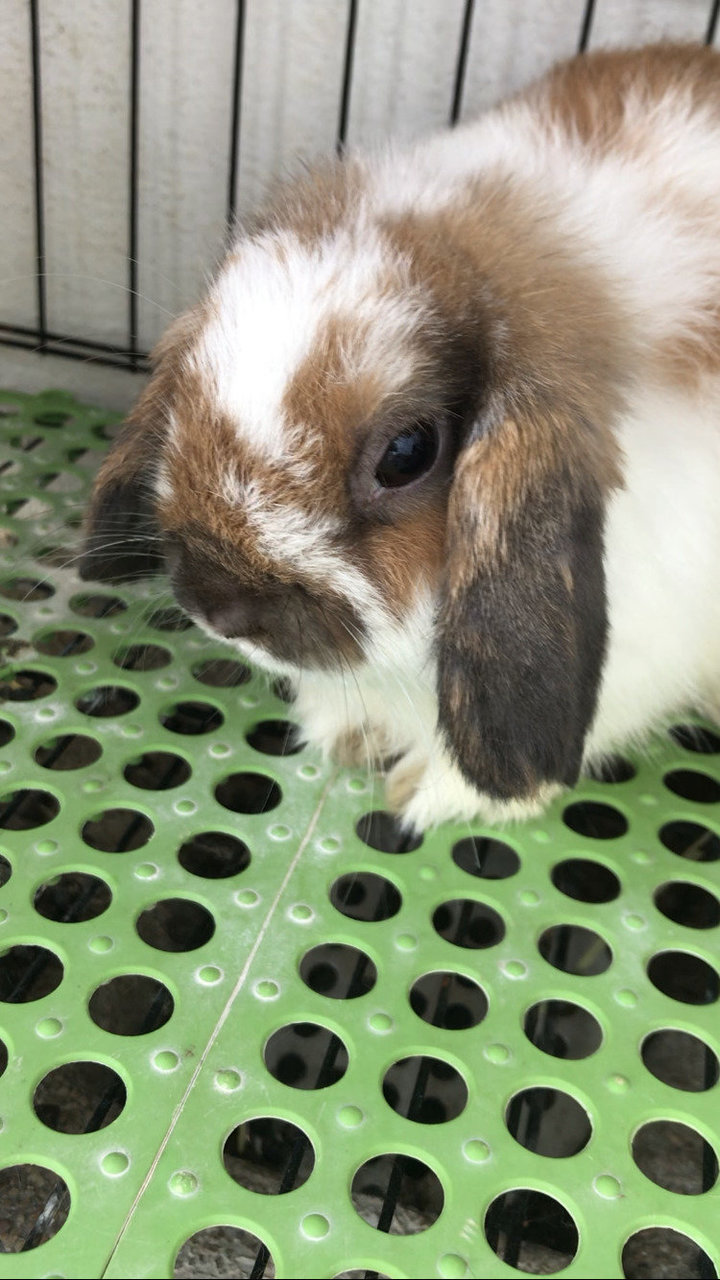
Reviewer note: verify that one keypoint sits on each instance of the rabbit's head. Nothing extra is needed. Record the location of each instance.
(388, 429)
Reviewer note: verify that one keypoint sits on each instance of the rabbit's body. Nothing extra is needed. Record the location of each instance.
(526, 311)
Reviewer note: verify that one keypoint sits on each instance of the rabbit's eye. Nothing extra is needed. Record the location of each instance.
(408, 456)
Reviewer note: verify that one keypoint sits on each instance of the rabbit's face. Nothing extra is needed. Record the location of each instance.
(302, 475)
(366, 448)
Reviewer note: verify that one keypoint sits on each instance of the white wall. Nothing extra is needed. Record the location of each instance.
(404, 67)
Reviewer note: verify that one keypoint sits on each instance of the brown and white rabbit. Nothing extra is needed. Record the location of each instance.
(442, 442)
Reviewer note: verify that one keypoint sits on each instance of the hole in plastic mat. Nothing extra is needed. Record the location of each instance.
(283, 689)
(363, 895)
(687, 904)
(26, 508)
(107, 700)
(131, 1005)
(424, 1089)
(26, 686)
(170, 619)
(221, 673)
(192, 718)
(398, 1194)
(26, 589)
(142, 657)
(105, 430)
(448, 1000)
(23, 810)
(684, 977)
(95, 605)
(548, 1121)
(360, 1273)
(58, 557)
(248, 793)
(79, 1097)
(3, 1057)
(51, 418)
(7, 733)
(35, 1204)
(117, 830)
(543, 1237)
(275, 738)
(64, 644)
(28, 973)
(675, 1157)
(175, 924)
(467, 923)
(613, 768)
(575, 949)
(226, 1253)
(71, 751)
(269, 1155)
(337, 970)
(680, 1060)
(382, 831)
(662, 1251)
(157, 771)
(594, 819)
(214, 855)
(71, 897)
(691, 840)
(81, 457)
(305, 1056)
(693, 785)
(8, 625)
(695, 737)
(484, 856)
(5, 870)
(585, 881)
(562, 1029)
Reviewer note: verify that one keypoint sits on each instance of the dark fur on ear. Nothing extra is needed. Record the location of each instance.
(523, 624)
(121, 536)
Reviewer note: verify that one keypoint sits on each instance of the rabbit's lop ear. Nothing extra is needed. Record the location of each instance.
(523, 623)
(121, 536)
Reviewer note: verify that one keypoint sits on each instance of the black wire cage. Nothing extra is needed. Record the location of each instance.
(43, 337)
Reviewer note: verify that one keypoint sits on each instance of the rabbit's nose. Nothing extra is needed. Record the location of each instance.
(286, 619)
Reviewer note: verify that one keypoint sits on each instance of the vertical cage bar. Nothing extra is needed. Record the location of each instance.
(40, 257)
(712, 21)
(586, 26)
(461, 64)
(235, 112)
(133, 182)
(347, 76)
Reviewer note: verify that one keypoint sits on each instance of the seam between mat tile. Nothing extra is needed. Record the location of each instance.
(221, 1021)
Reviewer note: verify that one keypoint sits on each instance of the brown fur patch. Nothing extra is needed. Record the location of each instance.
(412, 550)
(548, 344)
(313, 204)
(329, 404)
(545, 323)
(587, 94)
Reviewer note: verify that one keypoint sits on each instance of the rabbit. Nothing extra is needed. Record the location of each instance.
(442, 442)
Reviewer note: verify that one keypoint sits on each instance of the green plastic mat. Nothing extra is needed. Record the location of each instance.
(249, 1030)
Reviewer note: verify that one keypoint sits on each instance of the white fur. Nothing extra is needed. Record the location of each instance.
(288, 535)
(662, 549)
(664, 260)
(248, 358)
